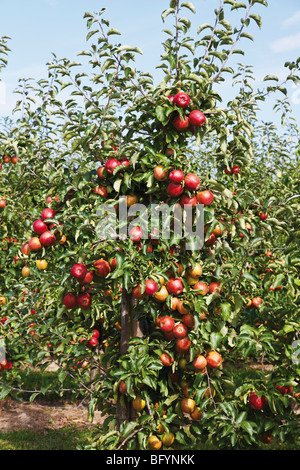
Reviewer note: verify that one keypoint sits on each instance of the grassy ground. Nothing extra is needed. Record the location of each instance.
(62, 439)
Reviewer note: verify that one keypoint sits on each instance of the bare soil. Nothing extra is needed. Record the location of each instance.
(40, 416)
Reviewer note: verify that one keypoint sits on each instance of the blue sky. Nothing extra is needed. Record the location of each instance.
(40, 27)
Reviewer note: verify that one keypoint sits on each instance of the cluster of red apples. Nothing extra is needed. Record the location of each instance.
(196, 118)
(181, 185)
(43, 233)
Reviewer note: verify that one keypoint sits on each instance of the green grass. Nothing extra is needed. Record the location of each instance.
(63, 439)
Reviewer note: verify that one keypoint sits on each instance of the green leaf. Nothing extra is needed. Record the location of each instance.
(166, 13)
(271, 77)
(248, 36)
(129, 49)
(91, 33)
(113, 31)
(226, 311)
(257, 19)
(189, 5)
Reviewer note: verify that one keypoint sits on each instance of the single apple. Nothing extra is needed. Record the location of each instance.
(187, 200)
(79, 270)
(257, 403)
(160, 174)
(180, 330)
(174, 189)
(47, 238)
(70, 300)
(111, 164)
(197, 118)
(35, 244)
(136, 234)
(84, 300)
(39, 227)
(181, 99)
(150, 287)
(205, 197)
(41, 264)
(166, 359)
(175, 286)
(192, 182)
(48, 213)
(167, 324)
(214, 359)
(102, 267)
(177, 176)
(181, 124)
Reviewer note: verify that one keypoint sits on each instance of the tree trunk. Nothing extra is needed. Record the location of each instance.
(130, 329)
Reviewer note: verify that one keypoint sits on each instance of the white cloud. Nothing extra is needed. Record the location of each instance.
(286, 43)
(295, 18)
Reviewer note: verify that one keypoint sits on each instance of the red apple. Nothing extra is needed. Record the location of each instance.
(177, 176)
(26, 249)
(102, 190)
(214, 287)
(205, 197)
(181, 99)
(150, 287)
(92, 342)
(124, 161)
(84, 300)
(79, 271)
(87, 279)
(167, 324)
(199, 362)
(136, 234)
(197, 118)
(187, 200)
(282, 389)
(70, 300)
(35, 244)
(39, 226)
(181, 124)
(111, 164)
(182, 345)
(188, 320)
(175, 189)
(47, 238)
(235, 169)
(256, 302)
(211, 240)
(214, 359)
(122, 387)
(192, 182)
(160, 174)
(166, 359)
(175, 286)
(180, 330)
(102, 267)
(48, 214)
(137, 292)
(257, 403)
